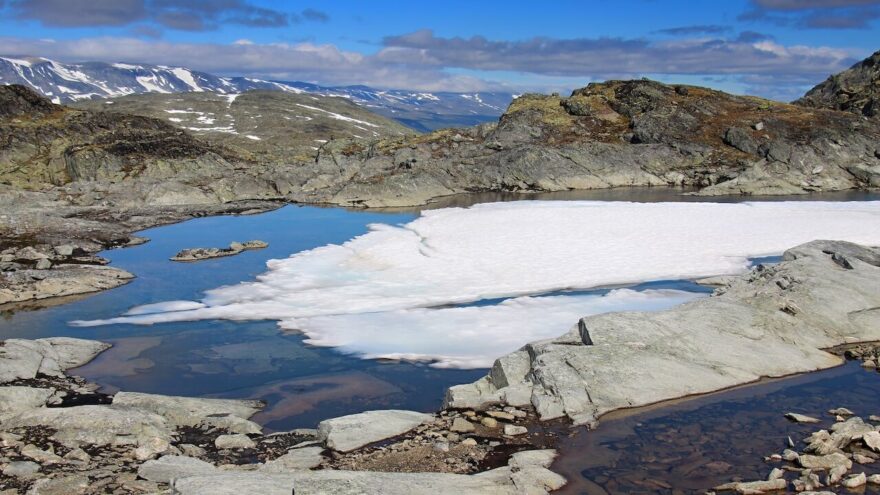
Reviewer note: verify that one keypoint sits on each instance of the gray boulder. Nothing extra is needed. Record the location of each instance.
(356, 430)
(94, 425)
(24, 359)
(296, 459)
(171, 467)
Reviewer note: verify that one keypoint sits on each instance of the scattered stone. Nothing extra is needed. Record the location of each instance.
(854, 480)
(824, 461)
(151, 448)
(872, 440)
(469, 442)
(801, 418)
(21, 469)
(41, 456)
(513, 430)
(754, 487)
(461, 425)
(840, 411)
(296, 459)
(67, 485)
(501, 415)
(235, 441)
(489, 422)
(166, 468)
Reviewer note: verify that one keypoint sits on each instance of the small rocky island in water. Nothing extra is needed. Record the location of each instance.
(196, 254)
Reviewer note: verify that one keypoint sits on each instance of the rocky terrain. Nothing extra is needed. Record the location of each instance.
(268, 126)
(619, 133)
(772, 322)
(196, 254)
(855, 90)
(89, 178)
(59, 436)
(836, 457)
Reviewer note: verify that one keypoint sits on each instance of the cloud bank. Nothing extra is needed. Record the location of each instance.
(424, 61)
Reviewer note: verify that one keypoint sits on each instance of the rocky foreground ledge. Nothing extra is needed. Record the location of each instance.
(59, 436)
(771, 322)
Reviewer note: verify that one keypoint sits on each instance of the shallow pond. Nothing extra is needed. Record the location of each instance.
(696, 444)
(303, 384)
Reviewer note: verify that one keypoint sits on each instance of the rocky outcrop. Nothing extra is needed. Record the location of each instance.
(57, 435)
(197, 254)
(65, 280)
(97, 176)
(618, 133)
(25, 359)
(772, 322)
(855, 90)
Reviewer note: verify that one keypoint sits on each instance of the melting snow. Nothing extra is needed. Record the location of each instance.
(187, 78)
(336, 115)
(397, 279)
(150, 83)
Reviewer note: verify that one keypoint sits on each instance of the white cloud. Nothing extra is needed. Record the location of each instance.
(424, 61)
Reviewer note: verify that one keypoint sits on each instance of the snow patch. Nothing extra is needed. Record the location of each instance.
(336, 115)
(187, 78)
(344, 294)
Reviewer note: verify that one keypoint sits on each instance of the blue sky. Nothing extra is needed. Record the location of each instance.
(774, 48)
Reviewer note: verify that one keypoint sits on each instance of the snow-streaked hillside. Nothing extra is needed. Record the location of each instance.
(68, 82)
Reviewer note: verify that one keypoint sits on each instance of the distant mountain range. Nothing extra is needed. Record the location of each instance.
(64, 83)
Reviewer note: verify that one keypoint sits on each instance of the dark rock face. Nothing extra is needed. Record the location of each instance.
(618, 133)
(18, 100)
(42, 143)
(856, 90)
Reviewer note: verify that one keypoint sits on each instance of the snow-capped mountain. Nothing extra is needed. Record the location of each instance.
(68, 82)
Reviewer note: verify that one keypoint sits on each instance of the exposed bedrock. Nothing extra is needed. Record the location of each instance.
(771, 322)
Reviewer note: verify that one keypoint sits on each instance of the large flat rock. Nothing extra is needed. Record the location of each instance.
(188, 411)
(772, 322)
(94, 425)
(526, 473)
(356, 430)
(25, 359)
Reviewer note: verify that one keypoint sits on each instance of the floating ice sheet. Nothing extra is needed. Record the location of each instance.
(390, 277)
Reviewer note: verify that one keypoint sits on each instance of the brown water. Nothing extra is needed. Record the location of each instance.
(696, 444)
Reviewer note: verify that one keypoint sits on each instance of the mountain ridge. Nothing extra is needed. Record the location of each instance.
(855, 90)
(65, 83)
